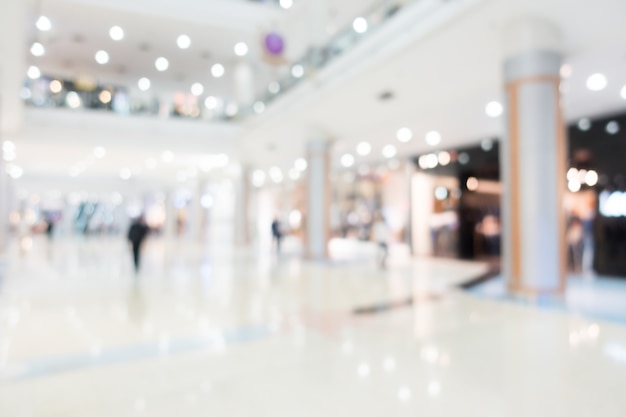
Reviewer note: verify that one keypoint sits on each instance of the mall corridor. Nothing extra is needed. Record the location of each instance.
(312, 208)
(220, 332)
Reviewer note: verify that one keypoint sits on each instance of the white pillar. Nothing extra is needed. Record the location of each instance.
(242, 202)
(318, 200)
(533, 161)
(13, 50)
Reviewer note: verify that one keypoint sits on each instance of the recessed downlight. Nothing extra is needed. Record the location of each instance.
(37, 49)
(116, 33)
(597, 82)
(197, 89)
(102, 57)
(43, 24)
(161, 64)
(494, 109)
(33, 72)
(359, 25)
(143, 84)
(241, 49)
(404, 135)
(389, 151)
(217, 70)
(183, 41)
(433, 138)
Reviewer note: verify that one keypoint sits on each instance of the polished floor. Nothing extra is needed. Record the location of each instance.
(219, 332)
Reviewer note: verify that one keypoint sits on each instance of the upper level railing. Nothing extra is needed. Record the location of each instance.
(46, 91)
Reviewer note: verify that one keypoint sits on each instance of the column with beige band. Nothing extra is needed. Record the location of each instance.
(533, 161)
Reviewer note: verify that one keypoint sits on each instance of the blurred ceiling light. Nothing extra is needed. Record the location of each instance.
(428, 161)
(197, 89)
(359, 25)
(494, 109)
(389, 151)
(8, 146)
(347, 160)
(286, 4)
(274, 87)
(404, 135)
(566, 71)
(472, 183)
(584, 124)
(574, 185)
(276, 174)
(33, 72)
(623, 92)
(217, 70)
(259, 107)
(258, 178)
(572, 174)
(37, 49)
(125, 173)
(444, 158)
(102, 57)
(167, 156)
(15, 171)
(183, 42)
(300, 164)
(364, 148)
(73, 100)
(591, 178)
(211, 102)
(143, 84)
(105, 96)
(612, 127)
(116, 33)
(297, 71)
(161, 64)
(433, 138)
(43, 24)
(99, 152)
(241, 49)
(597, 82)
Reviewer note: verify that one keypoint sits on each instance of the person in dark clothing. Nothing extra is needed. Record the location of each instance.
(277, 234)
(136, 234)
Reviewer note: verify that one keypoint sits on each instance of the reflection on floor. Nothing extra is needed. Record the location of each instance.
(592, 296)
(208, 331)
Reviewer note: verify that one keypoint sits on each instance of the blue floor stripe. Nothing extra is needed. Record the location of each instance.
(55, 365)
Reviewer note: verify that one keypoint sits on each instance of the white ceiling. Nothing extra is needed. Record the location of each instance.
(441, 81)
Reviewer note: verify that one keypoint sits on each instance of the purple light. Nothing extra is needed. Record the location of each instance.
(274, 43)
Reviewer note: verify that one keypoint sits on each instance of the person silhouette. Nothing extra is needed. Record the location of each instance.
(277, 233)
(136, 235)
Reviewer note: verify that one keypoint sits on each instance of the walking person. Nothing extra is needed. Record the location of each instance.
(277, 234)
(136, 235)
